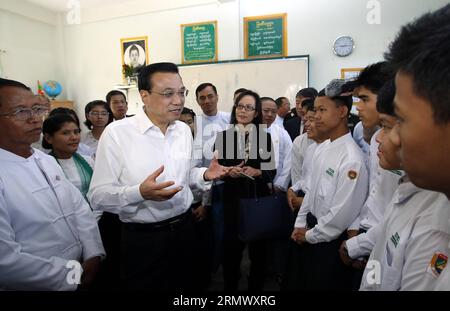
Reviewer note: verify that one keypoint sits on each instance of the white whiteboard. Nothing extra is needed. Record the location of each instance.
(273, 78)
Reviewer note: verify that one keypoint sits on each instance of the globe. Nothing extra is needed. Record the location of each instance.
(52, 88)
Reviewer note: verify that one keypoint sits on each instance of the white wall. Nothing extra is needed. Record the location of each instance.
(29, 36)
(93, 48)
(86, 58)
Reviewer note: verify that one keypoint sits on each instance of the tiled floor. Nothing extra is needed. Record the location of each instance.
(217, 278)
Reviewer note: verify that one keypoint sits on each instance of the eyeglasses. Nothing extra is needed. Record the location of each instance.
(96, 114)
(23, 114)
(171, 93)
(244, 107)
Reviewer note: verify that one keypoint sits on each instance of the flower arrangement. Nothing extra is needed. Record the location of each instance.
(127, 70)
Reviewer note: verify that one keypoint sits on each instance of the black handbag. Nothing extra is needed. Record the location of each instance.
(265, 217)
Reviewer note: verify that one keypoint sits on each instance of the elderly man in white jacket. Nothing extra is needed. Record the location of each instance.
(49, 238)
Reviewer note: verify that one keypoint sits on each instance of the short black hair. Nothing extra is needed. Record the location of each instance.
(12, 83)
(240, 90)
(279, 101)
(67, 111)
(267, 98)
(204, 86)
(188, 111)
(308, 92)
(91, 106)
(308, 103)
(258, 118)
(385, 99)
(146, 73)
(113, 93)
(421, 50)
(374, 76)
(53, 124)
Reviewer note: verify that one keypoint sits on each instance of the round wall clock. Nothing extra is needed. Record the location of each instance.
(343, 46)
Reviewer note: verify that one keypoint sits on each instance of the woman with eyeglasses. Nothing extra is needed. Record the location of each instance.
(246, 148)
(98, 116)
(62, 137)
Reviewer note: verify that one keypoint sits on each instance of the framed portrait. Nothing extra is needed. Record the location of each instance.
(134, 52)
(350, 73)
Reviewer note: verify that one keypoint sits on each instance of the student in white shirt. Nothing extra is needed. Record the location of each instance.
(411, 241)
(338, 189)
(44, 221)
(300, 145)
(62, 137)
(372, 85)
(142, 172)
(298, 189)
(98, 116)
(422, 103)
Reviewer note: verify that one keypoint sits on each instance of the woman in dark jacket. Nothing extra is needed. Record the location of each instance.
(246, 148)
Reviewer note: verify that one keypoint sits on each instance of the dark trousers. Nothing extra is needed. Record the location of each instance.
(202, 251)
(108, 277)
(233, 250)
(158, 257)
(232, 263)
(358, 273)
(317, 266)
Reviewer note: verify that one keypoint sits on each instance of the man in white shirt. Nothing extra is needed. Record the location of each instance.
(46, 227)
(410, 251)
(281, 142)
(208, 124)
(118, 104)
(300, 145)
(283, 106)
(372, 85)
(306, 156)
(422, 103)
(143, 172)
(338, 189)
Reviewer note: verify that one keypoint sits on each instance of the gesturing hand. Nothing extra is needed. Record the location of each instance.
(215, 170)
(152, 190)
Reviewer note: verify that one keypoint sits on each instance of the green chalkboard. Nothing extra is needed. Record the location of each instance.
(199, 42)
(265, 36)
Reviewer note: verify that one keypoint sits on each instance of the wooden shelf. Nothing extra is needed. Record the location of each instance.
(61, 103)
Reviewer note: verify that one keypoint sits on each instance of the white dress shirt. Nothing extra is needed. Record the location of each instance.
(89, 140)
(338, 190)
(312, 155)
(382, 185)
(207, 128)
(279, 121)
(282, 146)
(299, 147)
(44, 223)
(413, 232)
(444, 279)
(358, 136)
(128, 152)
(71, 172)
